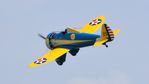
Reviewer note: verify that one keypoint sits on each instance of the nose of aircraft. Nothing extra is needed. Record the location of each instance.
(48, 40)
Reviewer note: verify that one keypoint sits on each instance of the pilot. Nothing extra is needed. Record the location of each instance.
(65, 32)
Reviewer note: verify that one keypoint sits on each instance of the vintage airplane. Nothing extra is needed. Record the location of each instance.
(71, 40)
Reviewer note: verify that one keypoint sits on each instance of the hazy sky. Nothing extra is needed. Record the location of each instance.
(124, 62)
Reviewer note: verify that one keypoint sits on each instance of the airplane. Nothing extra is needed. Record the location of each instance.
(71, 40)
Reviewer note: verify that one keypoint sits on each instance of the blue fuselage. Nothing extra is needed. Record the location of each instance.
(73, 40)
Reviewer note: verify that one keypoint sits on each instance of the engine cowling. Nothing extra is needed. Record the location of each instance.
(49, 38)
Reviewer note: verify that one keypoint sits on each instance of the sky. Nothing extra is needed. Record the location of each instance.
(124, 62)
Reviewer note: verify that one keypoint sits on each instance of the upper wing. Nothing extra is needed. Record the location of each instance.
(72, 30)
(50, 56)
(93, 26)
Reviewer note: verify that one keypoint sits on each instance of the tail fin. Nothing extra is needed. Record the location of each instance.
(107, 35)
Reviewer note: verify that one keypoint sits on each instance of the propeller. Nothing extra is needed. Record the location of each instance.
(41, 36)
(47, 41)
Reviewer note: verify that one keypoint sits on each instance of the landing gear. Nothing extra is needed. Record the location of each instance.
(61, 59)
(105, 45)
(59, 63)
(74, 52)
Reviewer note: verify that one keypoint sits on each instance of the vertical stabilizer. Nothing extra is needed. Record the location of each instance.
(107, 35)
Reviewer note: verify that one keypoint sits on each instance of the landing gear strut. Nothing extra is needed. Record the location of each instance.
(105, 45)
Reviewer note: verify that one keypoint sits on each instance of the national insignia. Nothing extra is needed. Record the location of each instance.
(72, 36)
(40, 61)
(95, 22)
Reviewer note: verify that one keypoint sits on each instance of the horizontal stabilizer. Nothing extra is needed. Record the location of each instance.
(107, 35)
(116, 32)
(100, 42)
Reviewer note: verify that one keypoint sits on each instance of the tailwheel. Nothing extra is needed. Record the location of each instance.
(105, 45)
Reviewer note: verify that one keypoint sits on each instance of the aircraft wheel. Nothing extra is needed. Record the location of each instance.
(60, 63)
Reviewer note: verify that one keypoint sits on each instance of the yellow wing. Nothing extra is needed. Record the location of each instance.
(116, 32)
(50, 56)
(100, 42)
(93, 26)
(72, 30)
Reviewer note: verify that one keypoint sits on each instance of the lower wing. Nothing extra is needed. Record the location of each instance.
(93, 26)
(48, 57)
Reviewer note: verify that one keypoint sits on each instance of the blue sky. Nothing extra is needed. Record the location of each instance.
(124, 62)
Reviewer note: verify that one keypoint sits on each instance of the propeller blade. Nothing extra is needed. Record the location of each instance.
(41, 36)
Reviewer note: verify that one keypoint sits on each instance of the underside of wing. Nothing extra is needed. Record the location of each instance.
(93, 26)
(48, 57)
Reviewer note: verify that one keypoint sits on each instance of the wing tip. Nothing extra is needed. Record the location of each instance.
(29, 66)
(101, 17)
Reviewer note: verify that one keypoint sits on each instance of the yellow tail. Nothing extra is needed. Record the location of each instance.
(107, 35)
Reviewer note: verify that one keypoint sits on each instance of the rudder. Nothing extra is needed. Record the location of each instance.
(107, 33)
